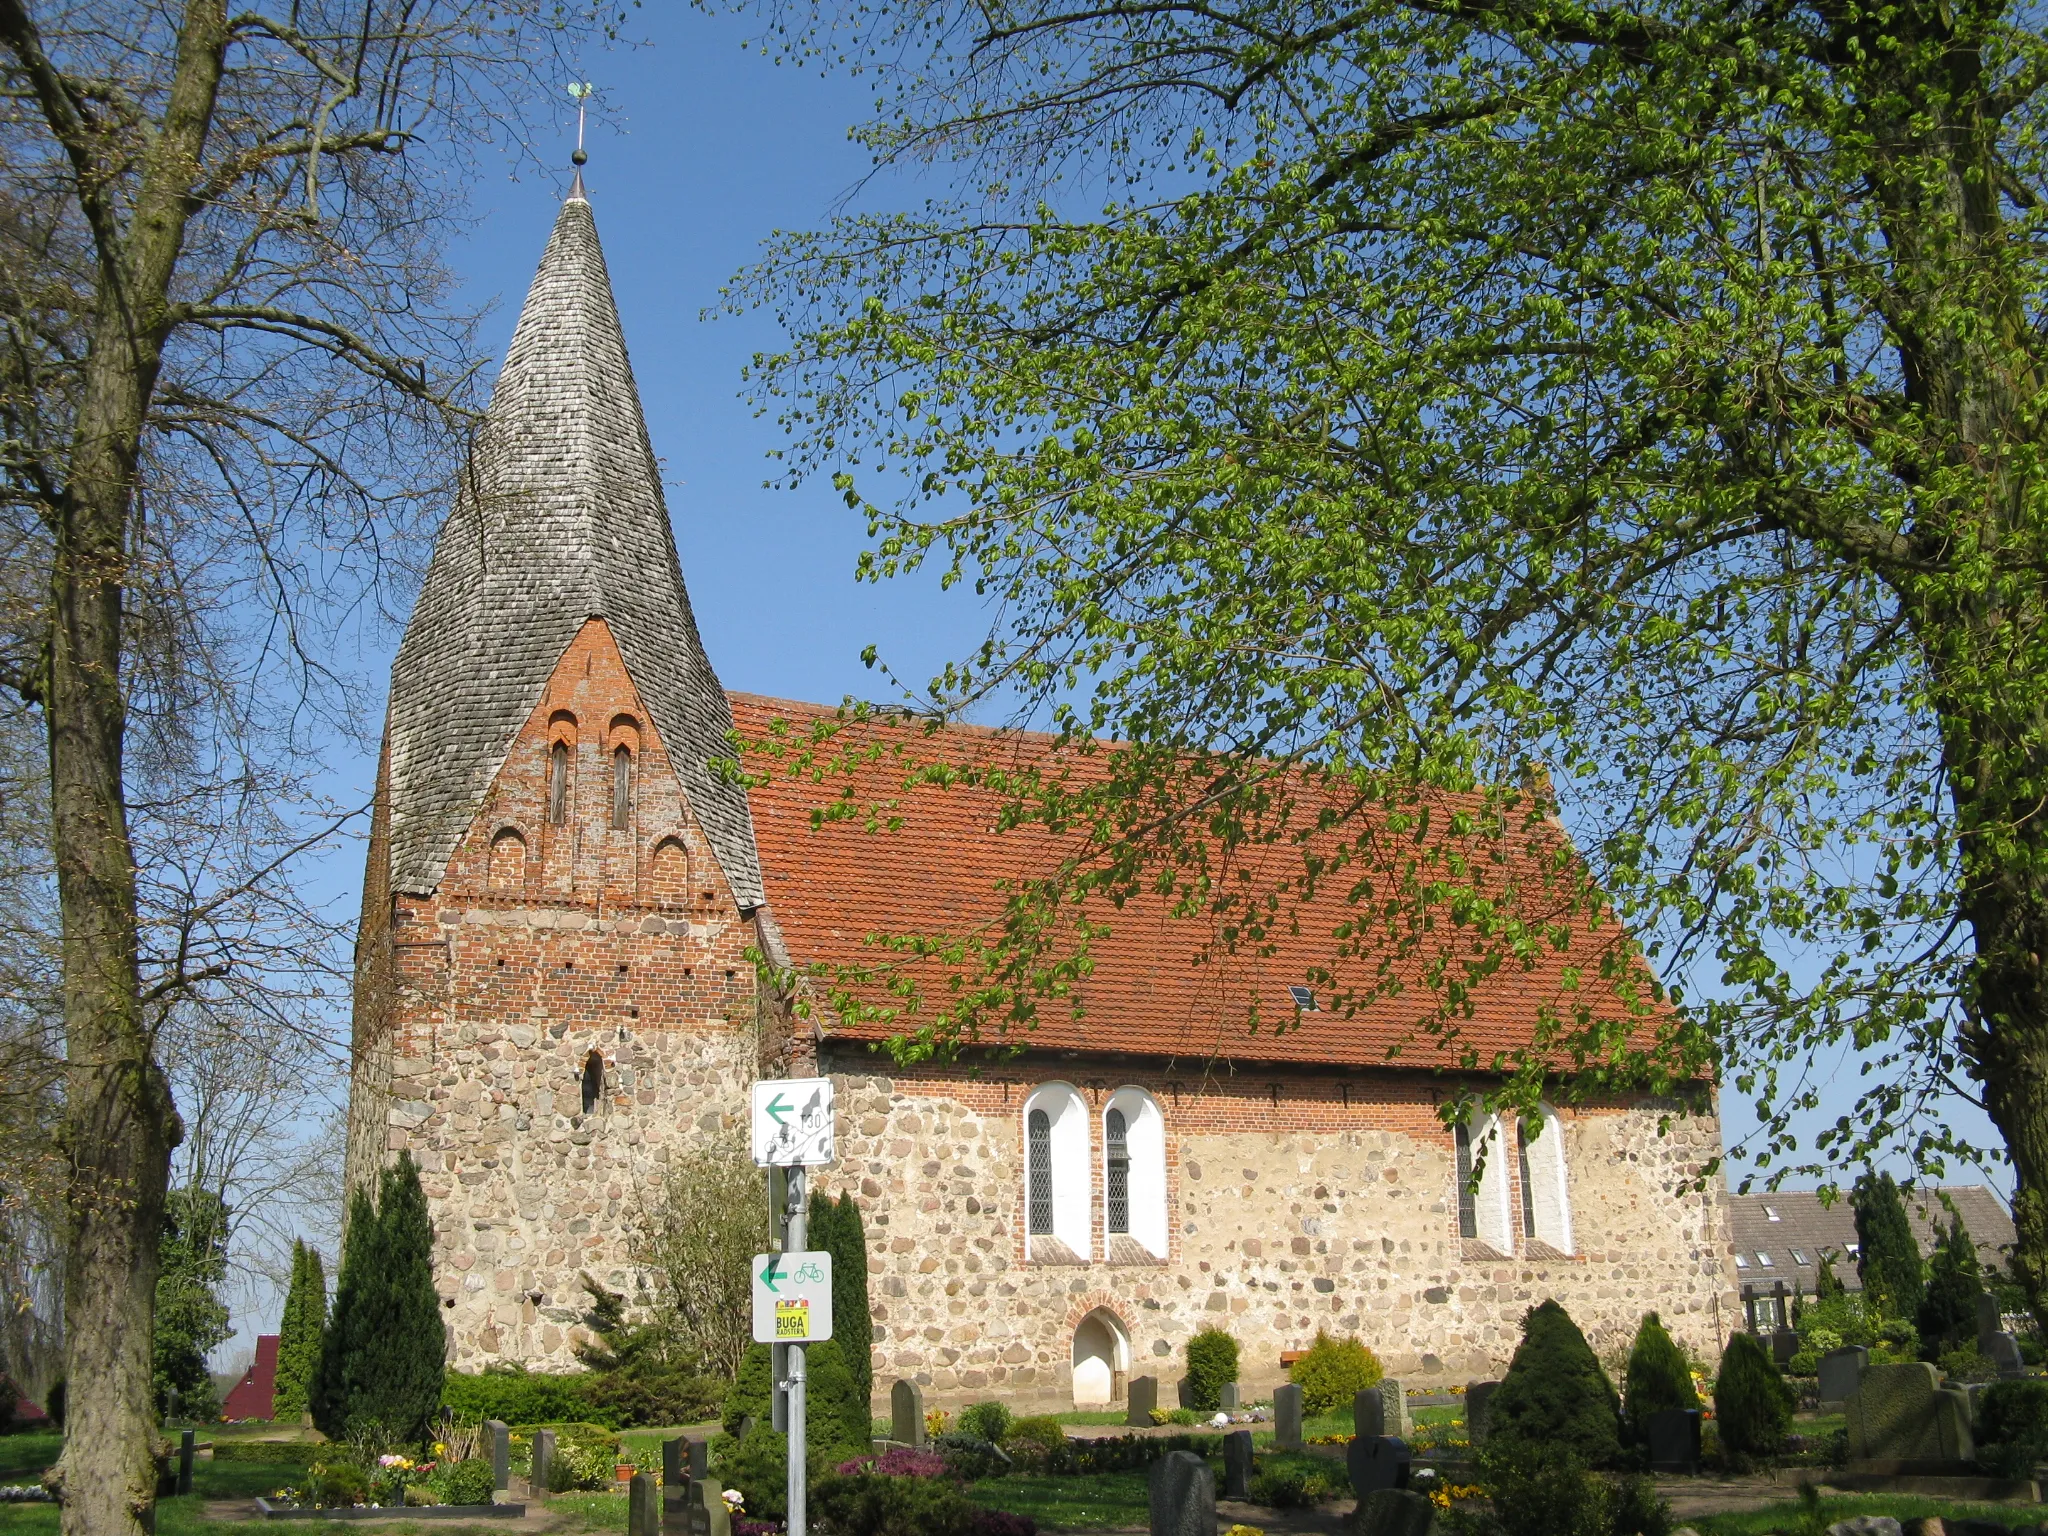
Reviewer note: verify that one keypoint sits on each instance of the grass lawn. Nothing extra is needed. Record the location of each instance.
(1110, 1498)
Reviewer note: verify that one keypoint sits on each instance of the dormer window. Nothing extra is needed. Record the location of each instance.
(558, 784)
(622, 789)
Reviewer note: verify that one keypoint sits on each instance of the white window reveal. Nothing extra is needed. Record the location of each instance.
(1741, 1262)
(1483, 1210)
(1056, 1173)
(1134, 1169)
(1546, 1190)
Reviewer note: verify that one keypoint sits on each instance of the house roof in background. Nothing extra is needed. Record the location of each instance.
(1151, 988)
(1782, 1236)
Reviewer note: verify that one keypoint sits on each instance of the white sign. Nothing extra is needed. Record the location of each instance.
(792, 1297)
(792, 1123)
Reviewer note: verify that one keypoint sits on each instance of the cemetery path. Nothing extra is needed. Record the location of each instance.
(1693, 1497)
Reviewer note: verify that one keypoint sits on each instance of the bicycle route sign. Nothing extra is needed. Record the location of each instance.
(792, 1297)
(791, 1123)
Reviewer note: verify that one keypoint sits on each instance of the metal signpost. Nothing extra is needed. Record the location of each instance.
(791, 1129)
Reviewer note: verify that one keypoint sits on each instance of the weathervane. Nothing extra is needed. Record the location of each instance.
(580, 94)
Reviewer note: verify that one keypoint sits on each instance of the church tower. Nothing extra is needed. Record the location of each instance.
(552, 990)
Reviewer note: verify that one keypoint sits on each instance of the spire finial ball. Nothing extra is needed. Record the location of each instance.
(579, 158)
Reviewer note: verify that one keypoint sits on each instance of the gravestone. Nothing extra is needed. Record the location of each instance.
(1181, 1496)
(1395, 1512)
(1900, 1413)
(1143, 1397)
(1237, 1464)
(1477, 1394)
(1394, 1418)
(499, 1438)
(1784, 1345)
(1990, 1320)
(1232, 1398)
(186, 1446)
(643, 1506)
(708, 1514)
(1184, 1391)
(674, 1471)
(1675, 1441)
(2005, 1356)
(1382, 1462)
(543, 1471)
(906, 1413)
(1840, 1371)
(697, 1459)
(1287, 1418)
(1368, 1414)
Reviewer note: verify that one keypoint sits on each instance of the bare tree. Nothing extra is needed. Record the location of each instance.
(708, 1220)
(226, 364)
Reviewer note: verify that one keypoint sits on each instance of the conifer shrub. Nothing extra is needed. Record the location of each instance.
(853, 1326)
(1333, 1371)
(985, 1421)
(1556, 1393)
(382, 1355)
(2012, 1427)
(1947, 1317)
(509, 1391)
(1212, 1365)
(1659, 1376)
(1888, 1257)
(298, 1343)
(752, 1392)
(1752, 1403)
(836, 1416)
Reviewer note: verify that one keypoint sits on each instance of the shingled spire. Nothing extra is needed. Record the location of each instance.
(559, 519)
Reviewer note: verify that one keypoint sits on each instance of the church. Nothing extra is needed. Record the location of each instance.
(581, 941)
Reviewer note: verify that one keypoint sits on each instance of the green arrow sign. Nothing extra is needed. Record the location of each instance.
(778, 1109)
(770, 1275)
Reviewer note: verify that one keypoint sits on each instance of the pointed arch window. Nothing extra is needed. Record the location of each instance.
(1546, 1191)
(558, 784)
(1134, 1174)
(1483, 1211)
(1058, 1208)
(622, 788)
(1468, 1207)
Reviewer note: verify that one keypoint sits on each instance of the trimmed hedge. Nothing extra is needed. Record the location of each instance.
(1212, 1365)
(525, 1397)
(300, 1452)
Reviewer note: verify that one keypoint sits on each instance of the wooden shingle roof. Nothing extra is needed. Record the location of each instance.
(559, 518)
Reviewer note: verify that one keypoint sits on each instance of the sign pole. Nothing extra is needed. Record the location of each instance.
(799, 1194)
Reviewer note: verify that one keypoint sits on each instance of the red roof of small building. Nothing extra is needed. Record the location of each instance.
(255, 1395)
(1160, 984)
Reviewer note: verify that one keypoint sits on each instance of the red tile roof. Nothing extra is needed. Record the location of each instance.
(931, 860)
(255, 1395)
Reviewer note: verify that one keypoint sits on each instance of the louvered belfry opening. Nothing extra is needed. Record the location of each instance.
(1038, 1154)
(1117, 1183)
(1468, 1206)
(622, 789)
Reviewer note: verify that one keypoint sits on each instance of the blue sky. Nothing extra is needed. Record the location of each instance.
(705, 148)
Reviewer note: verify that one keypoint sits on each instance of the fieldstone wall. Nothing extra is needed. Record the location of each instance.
(1340, 1214)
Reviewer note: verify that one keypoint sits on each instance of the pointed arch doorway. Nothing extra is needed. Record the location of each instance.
(1102, 1360)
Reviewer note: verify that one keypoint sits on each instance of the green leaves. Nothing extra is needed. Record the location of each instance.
(1653, 395)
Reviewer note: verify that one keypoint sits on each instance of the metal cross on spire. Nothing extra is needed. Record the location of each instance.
(579, 92)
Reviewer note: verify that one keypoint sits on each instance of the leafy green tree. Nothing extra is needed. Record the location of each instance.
(382, 1358)
(1654, 393)
(1947, 1315)
(1659, 1376)
(298, 1342)
(1887, 1256)
(1555, 1392)
(191, 1319)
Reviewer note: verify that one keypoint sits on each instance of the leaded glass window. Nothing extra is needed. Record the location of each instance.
(1038, 1153)
(1118, 1182)
(1468, 1208)
(1528, 1184)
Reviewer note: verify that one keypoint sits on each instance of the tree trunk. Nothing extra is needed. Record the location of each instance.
(120, 1124)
